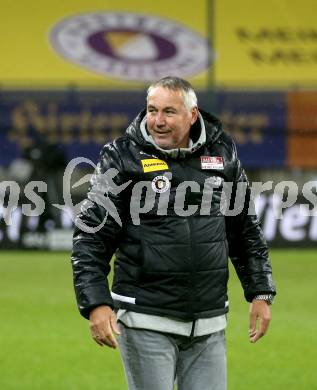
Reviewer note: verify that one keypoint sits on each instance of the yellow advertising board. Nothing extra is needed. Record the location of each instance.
(270, 43)
(37, 50)
(94, 43)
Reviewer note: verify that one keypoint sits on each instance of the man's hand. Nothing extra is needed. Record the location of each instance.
(103, 325)
(260, 317)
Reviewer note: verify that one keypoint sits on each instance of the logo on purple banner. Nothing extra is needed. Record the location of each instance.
(130, 46)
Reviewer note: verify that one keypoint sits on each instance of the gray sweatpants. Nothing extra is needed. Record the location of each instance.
(154, 360)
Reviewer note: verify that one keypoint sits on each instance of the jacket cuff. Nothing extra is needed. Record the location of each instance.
(94, 296)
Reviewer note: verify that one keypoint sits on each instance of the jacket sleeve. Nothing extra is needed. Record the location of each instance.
(93, 245)
(248, 249)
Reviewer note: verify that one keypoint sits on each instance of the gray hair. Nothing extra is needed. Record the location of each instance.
(177, 84)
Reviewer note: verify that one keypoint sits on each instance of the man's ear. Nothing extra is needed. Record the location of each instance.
(194, 112)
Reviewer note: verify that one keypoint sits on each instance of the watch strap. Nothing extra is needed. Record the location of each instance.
(265, 297)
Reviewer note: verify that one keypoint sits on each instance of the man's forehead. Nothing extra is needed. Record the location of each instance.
(165, 97)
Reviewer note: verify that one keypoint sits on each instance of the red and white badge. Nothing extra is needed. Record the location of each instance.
(208, 162)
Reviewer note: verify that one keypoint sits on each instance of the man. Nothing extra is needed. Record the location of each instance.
(172, 239)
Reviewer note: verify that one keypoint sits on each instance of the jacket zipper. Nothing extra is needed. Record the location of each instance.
(192, 265)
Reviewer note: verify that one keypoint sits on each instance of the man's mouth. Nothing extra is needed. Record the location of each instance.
(161, 131)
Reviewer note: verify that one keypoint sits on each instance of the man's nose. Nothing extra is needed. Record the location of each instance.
(160, 119)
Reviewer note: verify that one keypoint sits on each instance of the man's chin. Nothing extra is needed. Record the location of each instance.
(164, 145)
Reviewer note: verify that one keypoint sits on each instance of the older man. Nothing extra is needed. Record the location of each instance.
(172, 241)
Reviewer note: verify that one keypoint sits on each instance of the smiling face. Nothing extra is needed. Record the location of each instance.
(168, 119)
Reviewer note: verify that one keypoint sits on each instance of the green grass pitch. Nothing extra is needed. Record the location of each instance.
(45, 344)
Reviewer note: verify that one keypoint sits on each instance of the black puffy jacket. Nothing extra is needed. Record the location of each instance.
(173, 259)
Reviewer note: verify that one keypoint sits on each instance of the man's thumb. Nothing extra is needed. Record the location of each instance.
(114, 324)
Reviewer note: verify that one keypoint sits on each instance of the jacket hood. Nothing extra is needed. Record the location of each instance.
(212, 127)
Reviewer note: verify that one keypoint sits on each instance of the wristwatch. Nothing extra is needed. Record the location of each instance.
(268, 298)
